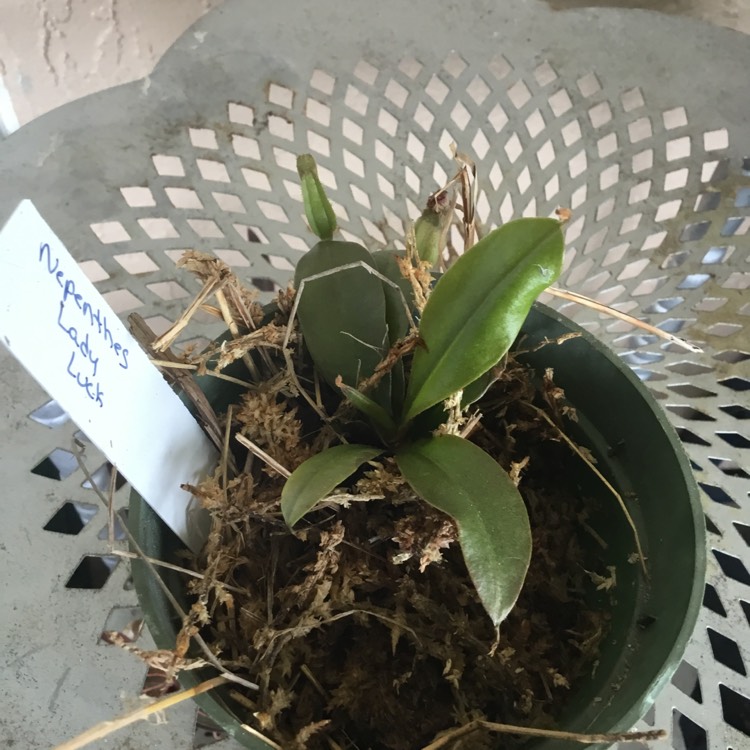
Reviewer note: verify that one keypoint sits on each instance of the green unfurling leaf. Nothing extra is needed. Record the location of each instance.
(342, 312)
(380, 419)
(478, 307)
(318, 208)
(460, 479)
(431, 228)
(317, 477)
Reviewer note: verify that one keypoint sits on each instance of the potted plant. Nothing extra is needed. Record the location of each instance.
(421, 529)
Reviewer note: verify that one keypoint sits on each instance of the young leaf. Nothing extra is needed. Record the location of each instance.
(342, 313)
(460, 479)
(478, 306)
(318, 209)
(312, 480)
(431, 228)
(380, 419)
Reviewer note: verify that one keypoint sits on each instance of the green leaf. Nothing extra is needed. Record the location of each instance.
(478, 307)
(380, 419)
(312, 480)
(477, 388)
(396, 301)
(342, 313)
(459, 478)
(318, 209)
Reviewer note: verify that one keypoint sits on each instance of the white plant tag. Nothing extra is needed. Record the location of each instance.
(59, 327)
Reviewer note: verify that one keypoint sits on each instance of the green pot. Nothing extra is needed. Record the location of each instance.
(638, 450)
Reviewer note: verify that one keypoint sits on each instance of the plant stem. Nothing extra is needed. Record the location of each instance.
(586, 739)
(105, 728)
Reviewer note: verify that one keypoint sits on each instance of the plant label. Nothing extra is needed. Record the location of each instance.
(63, 332)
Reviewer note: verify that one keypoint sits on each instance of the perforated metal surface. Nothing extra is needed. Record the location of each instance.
(636, 122)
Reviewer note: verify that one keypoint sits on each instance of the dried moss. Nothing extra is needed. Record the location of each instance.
(363, 626)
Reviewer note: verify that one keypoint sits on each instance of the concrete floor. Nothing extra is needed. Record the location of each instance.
(54, 51)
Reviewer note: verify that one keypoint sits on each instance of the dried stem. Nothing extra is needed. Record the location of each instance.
(260, 453)
(235, 331)
(604, 480)
(606, 310)
(168, 338)
(586, 739)
(105, 728)
(78, 450)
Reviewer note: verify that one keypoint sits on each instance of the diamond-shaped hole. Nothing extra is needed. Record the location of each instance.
(600, 114)
(280, 95)
(203, 138)
(690, 437)
(726, 651)
(519, 94)
(686, 734)
(737, 280)
(229, 203)
(632, 99)
(215, 171)
(712, 601)
(168, 290)
(715, 140)
(732, 356)
(639, 130)
(732, 567)
(676, 179)
(717, 254)
(560, 103)
(183, 197)
(207, 731)
(121, 522)
(545, 74)
(694, 280)
(138, 197)
(136, 263)
(639, 192)
(102, 478)
(278, 261)
(127, 621)
(158, 229)
(736, 709)
(723, 329)
(588, 84)
(318, 112)
(726, 465)
(168, 166)
(205, 228)
(478, 90)
(241, 114)
(50, 414)
(92, 572)
(718, 495)
(734, 439)
(678, 148)
(687, 680)
(122, 300)
(233, 258)
(71, 518)
(256, 179)
(743, 531)
(690, 391)
(736, 383)
(110, 231)
(264, 284)
(322, 81)
(280, 127)
(246, 147)
(688, 412)
(356, 100)
(93, 271)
